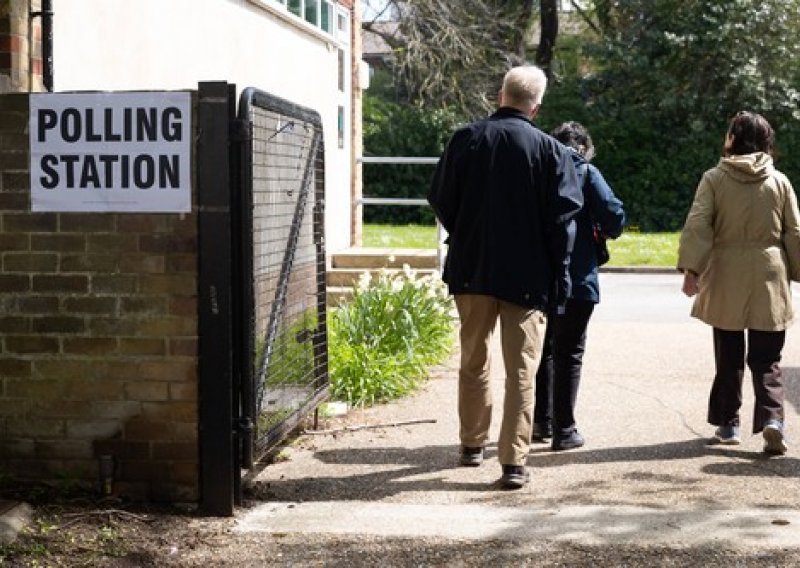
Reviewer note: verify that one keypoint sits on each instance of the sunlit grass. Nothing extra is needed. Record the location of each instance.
(644, 249)
(399, 236)
(631, 249)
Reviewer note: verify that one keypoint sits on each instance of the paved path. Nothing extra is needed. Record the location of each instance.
(647, 474)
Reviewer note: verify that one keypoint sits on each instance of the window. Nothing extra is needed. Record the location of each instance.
(341, 70)
(322, 14)
(342, 26)
(340, 124)
(312, 12)
(326, 17)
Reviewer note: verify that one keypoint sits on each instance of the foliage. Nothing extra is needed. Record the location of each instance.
(291, 359)
(392, 129)
(668, 77)
(380, 342)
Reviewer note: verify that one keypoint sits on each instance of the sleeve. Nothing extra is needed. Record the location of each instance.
(565, 200)
(791, 231)
(443, 193)
(697, 236)
(604, 207)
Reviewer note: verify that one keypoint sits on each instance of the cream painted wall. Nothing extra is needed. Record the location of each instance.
(173, 44)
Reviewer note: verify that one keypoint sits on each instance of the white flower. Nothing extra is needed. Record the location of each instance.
(364, 280)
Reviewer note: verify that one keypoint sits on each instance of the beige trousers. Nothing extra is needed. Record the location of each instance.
(521, 334)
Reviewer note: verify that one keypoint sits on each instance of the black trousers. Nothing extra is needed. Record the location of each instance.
(763, 356)
(559, 373)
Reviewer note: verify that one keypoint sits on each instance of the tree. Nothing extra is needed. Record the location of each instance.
(669, 74)
(453, 54)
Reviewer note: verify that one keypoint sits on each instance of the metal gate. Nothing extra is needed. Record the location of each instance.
(285, 367)
(263, 362)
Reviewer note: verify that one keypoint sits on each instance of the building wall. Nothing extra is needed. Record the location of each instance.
(98, 337)
(159, 44)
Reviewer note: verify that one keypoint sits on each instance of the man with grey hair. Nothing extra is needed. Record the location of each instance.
(506, 193)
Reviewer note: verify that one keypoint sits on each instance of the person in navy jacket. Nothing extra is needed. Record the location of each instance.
(559, 373)
(506, 193)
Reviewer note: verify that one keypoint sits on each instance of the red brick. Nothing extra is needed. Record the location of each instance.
(88, 223)
(103, 263)
(95, 305)
(170, 411)
(58, 243)
(144, 305)
(122, 449)
(10, 242)
(58, 283)
(63, 369)
(71, 449)
(30, 223)
(183, 391)
(38, 305)
(114, 284)
(186, 347)
(31, 344)
(12, 367)
(10, 283)
(147, 391)
(174, 451)
(143, 264)
(30, 262)
(134, 346)
(14, 324)
(58, 324)
(112, 242)
(90, 346)
(145, 224)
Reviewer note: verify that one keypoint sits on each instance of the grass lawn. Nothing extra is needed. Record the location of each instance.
(631, 249)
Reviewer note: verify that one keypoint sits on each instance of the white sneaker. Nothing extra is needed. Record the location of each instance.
(774, 442)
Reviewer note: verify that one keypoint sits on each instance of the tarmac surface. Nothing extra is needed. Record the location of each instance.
(648, 474)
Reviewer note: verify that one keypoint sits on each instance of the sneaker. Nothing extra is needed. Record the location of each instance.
(774, 442)
(574, 440)
(542, 431)
(471, 456)
(514, 476)
(728, 435)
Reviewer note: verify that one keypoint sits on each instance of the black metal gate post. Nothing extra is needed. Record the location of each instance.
(219, 467)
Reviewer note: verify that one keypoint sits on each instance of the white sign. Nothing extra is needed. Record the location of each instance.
(102, 152)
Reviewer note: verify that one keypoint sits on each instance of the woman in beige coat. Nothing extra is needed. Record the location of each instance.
(738, 250)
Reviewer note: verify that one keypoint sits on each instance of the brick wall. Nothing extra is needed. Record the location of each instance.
(20, 58)
(98, 338)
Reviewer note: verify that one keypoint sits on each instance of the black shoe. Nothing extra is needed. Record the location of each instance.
(471, 456)
(574, 440)
(542, 431)
(514, 476)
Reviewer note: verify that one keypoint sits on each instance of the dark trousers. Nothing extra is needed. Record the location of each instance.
(559, 373)
(763, 356)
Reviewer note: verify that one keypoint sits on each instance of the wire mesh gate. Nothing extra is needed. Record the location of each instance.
(262, 334)
(284, 368)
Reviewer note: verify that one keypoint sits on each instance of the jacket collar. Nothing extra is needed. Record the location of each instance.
(510, 112)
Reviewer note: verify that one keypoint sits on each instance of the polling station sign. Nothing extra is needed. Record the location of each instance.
(111, 152)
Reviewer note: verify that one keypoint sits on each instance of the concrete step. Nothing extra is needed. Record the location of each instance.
(350, 276)
(366, 258)
(338, 294)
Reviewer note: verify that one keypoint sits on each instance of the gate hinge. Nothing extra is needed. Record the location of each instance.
(243, 426)
(240, 130)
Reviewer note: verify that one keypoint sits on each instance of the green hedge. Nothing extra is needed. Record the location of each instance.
(392, 129)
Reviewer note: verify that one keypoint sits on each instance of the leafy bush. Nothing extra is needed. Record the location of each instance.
(381, 341)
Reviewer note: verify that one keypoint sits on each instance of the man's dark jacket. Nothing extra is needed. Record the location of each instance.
(507, 193)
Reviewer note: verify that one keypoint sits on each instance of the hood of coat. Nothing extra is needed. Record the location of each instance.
(748, 168)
